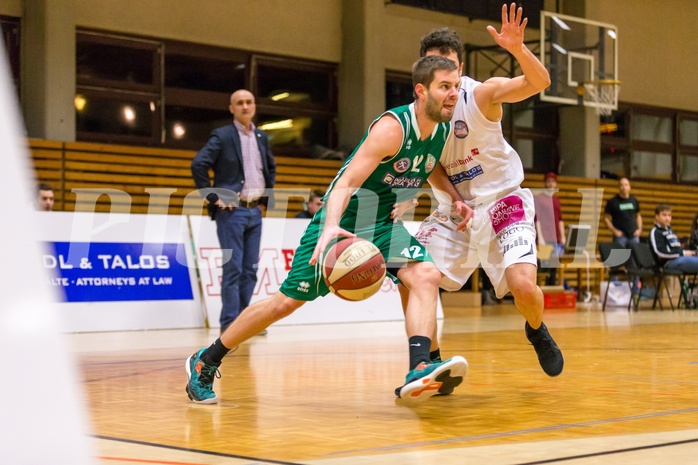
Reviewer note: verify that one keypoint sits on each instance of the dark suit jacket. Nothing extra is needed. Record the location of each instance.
(223, 154)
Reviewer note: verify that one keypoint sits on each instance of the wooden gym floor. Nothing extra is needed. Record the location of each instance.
(323, 394)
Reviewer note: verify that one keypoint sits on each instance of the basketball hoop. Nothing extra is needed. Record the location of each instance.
(601, 94)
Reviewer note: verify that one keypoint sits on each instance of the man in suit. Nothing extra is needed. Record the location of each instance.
(244, 173)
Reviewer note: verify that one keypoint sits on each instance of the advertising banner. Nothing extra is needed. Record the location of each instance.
(121, 271)
(116, 271)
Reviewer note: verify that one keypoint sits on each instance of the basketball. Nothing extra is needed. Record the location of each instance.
(353, 269)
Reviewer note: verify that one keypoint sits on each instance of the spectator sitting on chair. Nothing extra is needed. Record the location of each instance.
(44, 197)
(622, 216)
(667, 246)
(313, 205)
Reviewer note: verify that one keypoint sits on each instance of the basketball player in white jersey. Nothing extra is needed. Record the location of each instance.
(487, 173)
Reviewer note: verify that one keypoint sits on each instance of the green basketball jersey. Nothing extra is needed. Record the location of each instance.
(397, 178)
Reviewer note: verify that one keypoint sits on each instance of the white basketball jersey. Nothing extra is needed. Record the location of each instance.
(477, 158)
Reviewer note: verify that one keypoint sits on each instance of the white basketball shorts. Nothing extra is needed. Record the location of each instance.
(502, 234)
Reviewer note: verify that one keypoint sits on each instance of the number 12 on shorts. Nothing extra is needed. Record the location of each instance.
(414, 252)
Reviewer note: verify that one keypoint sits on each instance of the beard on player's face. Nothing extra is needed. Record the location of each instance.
(435, 110)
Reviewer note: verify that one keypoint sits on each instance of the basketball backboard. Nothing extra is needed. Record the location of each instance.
(577, 51)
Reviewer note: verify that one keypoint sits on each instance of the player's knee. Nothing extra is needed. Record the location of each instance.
(419, 275)
(282, 305)
(523, 288)
(428, 275)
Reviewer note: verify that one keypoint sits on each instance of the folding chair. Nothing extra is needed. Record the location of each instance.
(618, 270)
(642, 266)
(646, 261)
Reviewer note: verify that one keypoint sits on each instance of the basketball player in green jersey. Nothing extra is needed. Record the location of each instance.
(399, 151)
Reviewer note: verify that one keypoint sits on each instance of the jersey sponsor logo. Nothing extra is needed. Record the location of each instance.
(401, 181)
(423, 236)
(455, 164)
(516, 242)
(402, 165)
(506, 212)
(431, 162)
(463, 161)
(507, 232)
(466, 175)
(408, 145)
(460, 129)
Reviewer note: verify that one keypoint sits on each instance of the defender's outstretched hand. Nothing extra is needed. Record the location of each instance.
(401, 208)
(513, 26)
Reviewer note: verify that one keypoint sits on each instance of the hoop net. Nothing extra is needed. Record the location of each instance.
(602, 95)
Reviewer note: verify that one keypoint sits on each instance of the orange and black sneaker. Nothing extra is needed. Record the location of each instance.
(430, 379)
(200, 379)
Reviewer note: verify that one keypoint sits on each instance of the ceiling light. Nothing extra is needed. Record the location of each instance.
(80, 102)
(283, 124)
(178, 130)
(560, 49)
(129, 114)
(561, 23)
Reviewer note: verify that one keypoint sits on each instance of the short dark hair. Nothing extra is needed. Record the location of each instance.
(423, 70)
(662, 207)
(444, 40)
(316, 194)
(44, 187)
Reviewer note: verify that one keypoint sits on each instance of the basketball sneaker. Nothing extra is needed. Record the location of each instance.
(430, 379)
(549, 354)
(447, 388)
(200, 385)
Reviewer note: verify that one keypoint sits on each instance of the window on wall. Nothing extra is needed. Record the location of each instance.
(118, 90)
(532, 129)
(141, 91)
(296, 103)
(650, 143)
(11, 37)
(615, 144)
(398, 89)
(688, 148)
(198, 82)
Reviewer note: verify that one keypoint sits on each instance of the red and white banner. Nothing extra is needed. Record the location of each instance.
(280, 237)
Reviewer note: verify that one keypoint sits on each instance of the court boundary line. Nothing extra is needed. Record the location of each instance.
(198, 451)
(611, 452)
(520, 432)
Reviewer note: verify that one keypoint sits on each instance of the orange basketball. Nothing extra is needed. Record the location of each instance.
(353, 269)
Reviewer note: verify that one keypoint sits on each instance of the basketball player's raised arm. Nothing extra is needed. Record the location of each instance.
(535, 78)
(383, 140)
